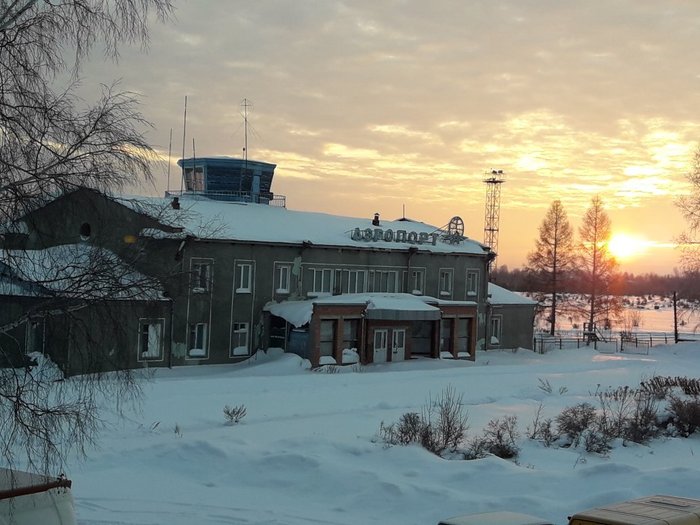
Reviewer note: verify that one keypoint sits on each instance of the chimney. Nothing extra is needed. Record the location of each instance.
(175, 204)
(375, 221)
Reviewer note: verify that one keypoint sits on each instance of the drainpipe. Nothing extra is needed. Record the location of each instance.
(170, 345)
(411, 252)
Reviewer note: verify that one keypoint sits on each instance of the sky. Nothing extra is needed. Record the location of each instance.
(307, 449)
(404, 107)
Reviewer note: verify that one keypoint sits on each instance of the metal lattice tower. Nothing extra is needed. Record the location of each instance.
(493, 209)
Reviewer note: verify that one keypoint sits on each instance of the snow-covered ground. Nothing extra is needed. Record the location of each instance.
(306, 452)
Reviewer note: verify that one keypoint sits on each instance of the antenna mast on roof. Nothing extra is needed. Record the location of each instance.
(246, 105)
(184, 135)
(170, 151)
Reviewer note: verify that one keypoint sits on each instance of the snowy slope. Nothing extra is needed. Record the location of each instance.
(306, 451)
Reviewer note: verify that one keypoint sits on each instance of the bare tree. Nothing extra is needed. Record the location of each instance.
(690, 207)
(51, 142)
(596, 265)
(553, 257)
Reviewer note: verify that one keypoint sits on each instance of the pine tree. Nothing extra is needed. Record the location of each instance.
(553, 257)
(596, 265)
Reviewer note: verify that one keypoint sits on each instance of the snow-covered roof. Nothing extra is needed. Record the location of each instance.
(499, 295)
(212, 219)
(298, 313)
(74, 271)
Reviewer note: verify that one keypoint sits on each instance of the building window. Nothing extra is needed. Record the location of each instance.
(496, 324)
(383, 280)
(198, 340)
(239, 344)
(151, 338)
(350, 281)
(415, 284)
(194, 178)
(282, 278)
(446, 335)
(472, 282)
(321, 281)
(327, 337)
(34, 340)
(462, 336)
(244, 278)
(356, 281)
(446, 282)
(201, 276)
(351, 329)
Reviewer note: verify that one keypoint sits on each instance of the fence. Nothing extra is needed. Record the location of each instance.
(630, 343)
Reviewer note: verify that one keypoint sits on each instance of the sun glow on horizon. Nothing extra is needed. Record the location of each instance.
(623, 246)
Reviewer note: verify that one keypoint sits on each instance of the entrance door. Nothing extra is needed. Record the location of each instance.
(380, 346)
(398, 345)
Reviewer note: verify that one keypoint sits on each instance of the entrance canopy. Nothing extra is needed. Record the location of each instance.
(379, 306)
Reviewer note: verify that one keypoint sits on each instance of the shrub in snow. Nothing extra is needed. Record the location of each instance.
(542, 429)
(234, 414)
(596, 440)
(573, 421)
(685, 415)
(499, 438)
(662, 386)
(409, 429)
(440, 427)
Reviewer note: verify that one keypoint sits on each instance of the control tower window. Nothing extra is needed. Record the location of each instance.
(194, 179)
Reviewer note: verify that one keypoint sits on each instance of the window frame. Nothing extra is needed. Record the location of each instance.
(417, 278)
(472, 283)
(378, 281)
(283, 270)
(147, 322)
(449, 274)
(236, 330)
(498, 333)
(244, 285)
(204, 347)
(196, 266)
(323, 272)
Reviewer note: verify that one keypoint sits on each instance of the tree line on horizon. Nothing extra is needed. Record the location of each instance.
(686, 284)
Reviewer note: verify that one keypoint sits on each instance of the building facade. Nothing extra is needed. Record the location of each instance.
(239, 276)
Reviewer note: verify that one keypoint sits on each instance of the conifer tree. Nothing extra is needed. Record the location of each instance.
(554, 255)
(596, 265)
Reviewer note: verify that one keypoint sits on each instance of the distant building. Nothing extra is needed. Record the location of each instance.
(511, 319)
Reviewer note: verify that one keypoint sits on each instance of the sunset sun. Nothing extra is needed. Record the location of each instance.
(623, 246)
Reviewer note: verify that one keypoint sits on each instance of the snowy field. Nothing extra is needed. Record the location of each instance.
(306, 452)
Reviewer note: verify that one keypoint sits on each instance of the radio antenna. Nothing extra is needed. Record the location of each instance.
(184, 135)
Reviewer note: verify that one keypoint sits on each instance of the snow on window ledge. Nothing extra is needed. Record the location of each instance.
(240, 350)
(350, 356)
(326, 360)
(444, 293)
(197, 352)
